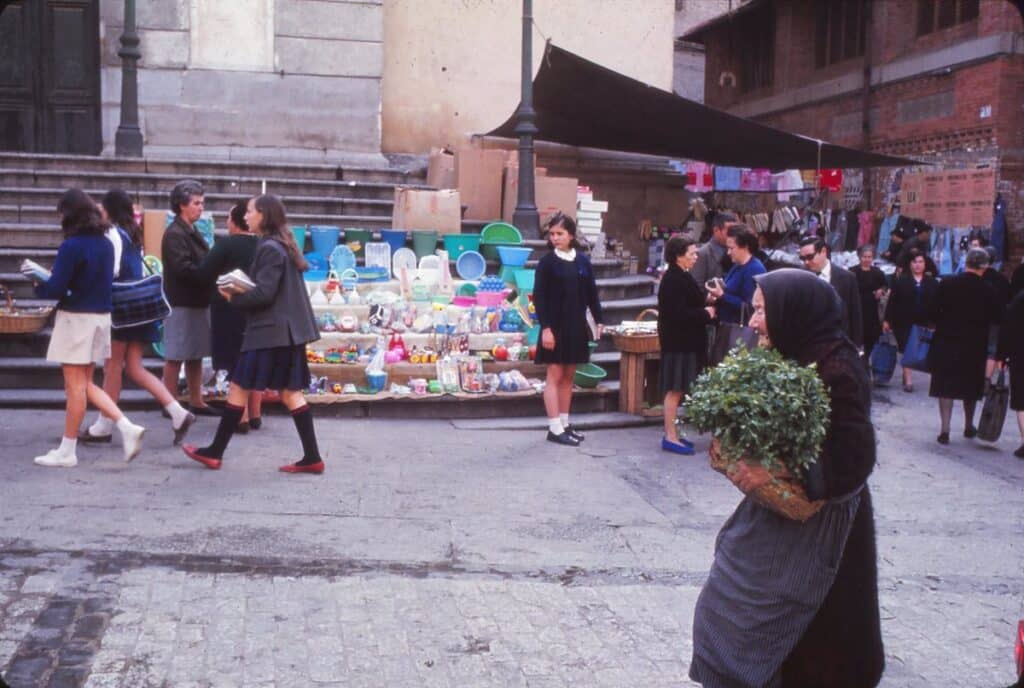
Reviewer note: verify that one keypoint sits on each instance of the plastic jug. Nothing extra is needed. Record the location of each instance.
(378, 254)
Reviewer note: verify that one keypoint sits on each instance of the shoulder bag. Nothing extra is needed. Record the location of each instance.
(139, 302)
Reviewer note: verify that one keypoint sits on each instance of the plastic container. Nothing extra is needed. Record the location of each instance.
(424, 242)
(464, 301)
(514, 256)
(341, 258)
(376, 382)
(471, 266)
(324, 239)
(467, 289)
(363, 236)
(395, 238)
(501, 233)
(490, 298)
(403, 258)
(524, 279)
(378, 254)
(508, 274)
(588, 375)
(457, 244)
(299, 232)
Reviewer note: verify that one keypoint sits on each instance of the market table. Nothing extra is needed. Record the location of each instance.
(639, 383)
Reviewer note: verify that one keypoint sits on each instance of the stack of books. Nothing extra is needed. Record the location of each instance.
(34, 271)
(236, 280)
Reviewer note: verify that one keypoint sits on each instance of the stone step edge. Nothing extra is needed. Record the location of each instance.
(96, 193)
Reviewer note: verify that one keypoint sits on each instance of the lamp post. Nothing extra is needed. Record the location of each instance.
(526, 218)
(128, 140)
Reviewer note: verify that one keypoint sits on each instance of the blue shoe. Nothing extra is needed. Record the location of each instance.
(676, 448)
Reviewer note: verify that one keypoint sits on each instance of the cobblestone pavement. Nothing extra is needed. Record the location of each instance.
(433, 556)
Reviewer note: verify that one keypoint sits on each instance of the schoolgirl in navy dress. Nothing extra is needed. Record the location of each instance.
(127, 344)
(279, 324)
(564, 290)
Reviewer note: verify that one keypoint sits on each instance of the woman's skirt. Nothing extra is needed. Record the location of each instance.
(146, 334)
(283, 367)
(227, 325)
(678, 371)
(79, 338)
(769, 577)
(187, 334)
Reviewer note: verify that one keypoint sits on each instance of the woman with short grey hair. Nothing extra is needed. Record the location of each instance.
(187, 329)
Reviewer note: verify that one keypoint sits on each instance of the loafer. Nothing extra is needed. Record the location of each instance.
(316, 468)
(256, 423)
(909, 389)
(193, 453)
(242, 429)
(88, 438)
(970, 432)
(573, 432)
(943, 438)
(565, 439)
(182, 430)
(676, 447)
(1019, 452)
(205, 411)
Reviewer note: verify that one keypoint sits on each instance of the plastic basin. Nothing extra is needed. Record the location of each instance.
(524, 280)
(464, 301)
(500, 233)
(490, 251)
(324, 239)
(363, 236)
(299, 232)
(424, 242)
(514, 256)
(457, 244)
(467, 289)
(490, 298)
(395, 238)
(471, 266)
(589, 374)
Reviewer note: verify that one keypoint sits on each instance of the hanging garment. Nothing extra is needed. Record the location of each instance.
(727, 178)
(756, 179)
(885, 232)
(786, 184)
(699, 177)
(866, 231)
(945, 261)
(852, 226)
(831, 179)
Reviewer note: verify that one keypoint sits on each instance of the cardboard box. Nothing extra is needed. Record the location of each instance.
(154, 223)
(554, 194)
(441, 169)
(478, 178)
(510, 195)
(419, 209)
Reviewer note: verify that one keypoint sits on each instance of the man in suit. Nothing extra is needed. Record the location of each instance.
(814, 254)
(711, 258)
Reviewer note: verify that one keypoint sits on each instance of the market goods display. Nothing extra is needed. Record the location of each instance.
(637, 336)
(762, 408)
(15, 320)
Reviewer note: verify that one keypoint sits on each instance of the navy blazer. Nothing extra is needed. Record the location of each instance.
(278, 312)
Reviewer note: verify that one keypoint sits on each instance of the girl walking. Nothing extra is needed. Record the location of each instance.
(564, 291)
(279, 324)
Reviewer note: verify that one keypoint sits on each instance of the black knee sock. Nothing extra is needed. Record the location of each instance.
(969, 407)
(303, 418)
(225, 429)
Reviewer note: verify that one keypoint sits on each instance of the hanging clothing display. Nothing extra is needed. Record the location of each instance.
(757, 179)
(699, 177)
(885, 232)
(831, 179)
(787, 183)
(727, 178)
(866, 227)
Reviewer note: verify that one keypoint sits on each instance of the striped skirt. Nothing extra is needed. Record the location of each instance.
(769, 577)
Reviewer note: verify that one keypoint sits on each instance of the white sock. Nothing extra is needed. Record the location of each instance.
(102, 426)
(555, 426)
(67, 446)
(178, 413)
(124, 424)
(564, 417)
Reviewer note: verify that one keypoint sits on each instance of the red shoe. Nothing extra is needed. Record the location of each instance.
(317, 468)
(193, 453)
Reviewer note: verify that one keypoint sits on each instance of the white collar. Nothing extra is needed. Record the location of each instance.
(826, 272)
(569, 255)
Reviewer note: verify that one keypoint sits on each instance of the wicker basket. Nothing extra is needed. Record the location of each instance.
(22, 321)
(638, 343)
(784, 495)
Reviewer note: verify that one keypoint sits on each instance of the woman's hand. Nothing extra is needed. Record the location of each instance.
(748, 478)
(716, 291)
(710, 311)
(547, 339)
(599, 332)
(879, 293)
(886, 327)
(226, 293)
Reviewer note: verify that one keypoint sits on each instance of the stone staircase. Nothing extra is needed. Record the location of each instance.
(30, 186)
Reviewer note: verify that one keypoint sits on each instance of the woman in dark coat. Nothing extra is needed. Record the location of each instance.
(1010, 353)
(909, 302)
(564, 290)
(789, 603)
(872, 285)
(279, 324)
(964, 308)
(682, 319)
(227, 322)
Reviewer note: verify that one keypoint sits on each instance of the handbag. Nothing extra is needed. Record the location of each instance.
(883, 358)
(993, 411)
(139, 302)
(730, 335)
(915, 353)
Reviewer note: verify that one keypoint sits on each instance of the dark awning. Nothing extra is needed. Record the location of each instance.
(580, 103)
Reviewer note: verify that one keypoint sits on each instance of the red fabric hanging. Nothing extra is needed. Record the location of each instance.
(831, 179)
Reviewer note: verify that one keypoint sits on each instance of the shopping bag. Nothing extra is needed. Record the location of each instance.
(883, 358)
(915, 353)
(727, 336)
(139, 302)
(993, 411)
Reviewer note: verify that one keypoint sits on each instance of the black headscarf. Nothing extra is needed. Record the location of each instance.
(803, 312)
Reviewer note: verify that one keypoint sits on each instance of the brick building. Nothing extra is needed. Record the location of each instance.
(937, 80)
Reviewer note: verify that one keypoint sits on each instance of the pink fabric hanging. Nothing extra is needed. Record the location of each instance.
(698, 177)
(866, 222)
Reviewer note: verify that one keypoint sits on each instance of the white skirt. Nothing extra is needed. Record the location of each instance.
(79, 338)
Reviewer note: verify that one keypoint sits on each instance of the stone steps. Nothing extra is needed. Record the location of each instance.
(19, 372)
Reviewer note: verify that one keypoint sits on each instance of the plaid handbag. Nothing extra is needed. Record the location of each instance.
(139, 302)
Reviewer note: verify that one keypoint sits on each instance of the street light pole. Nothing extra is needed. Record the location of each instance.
(128, 140)
(526, 218)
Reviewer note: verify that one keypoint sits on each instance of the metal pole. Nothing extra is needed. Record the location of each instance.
(526, 217)
(128, 140)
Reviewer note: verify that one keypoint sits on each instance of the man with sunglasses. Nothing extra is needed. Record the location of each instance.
(815, 257)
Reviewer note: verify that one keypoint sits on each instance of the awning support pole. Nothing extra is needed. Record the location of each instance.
(526, 218)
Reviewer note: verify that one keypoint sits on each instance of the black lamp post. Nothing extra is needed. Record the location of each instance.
(128, 140)
(526, 218)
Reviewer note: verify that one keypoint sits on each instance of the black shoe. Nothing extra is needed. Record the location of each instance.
(205, 411)
(943, 438)
(565, 438)
(86, 437)
(256, 423)
(1019, 453)
(970, 432)
(573, 432)
(242, 429)
(182, 430)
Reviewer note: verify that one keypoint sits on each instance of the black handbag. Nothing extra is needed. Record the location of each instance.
(139, 302)
(730, 335)
(993, 411)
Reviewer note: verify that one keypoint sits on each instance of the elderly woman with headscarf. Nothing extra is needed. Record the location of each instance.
(789, 603)
(187, 329)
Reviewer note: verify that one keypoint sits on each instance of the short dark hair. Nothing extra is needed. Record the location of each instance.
(744, 237)
(866, 248)
(80, 214)
(977, 258)
(183, 192)
(817, 242)
(566, 222)
(721, 218)
(237, 215)
(677, 246)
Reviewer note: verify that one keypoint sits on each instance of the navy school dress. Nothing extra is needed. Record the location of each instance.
(563, 292)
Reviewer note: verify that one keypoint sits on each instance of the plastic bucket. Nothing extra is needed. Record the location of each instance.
(395, 238)
(324, 239)
(424, 242)
(300, 237)
(514, 256)
(457, 244)
(363, 236)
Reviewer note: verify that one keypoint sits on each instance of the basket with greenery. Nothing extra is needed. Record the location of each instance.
(763, 408)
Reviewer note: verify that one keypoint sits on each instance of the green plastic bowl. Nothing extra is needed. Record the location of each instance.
(588, 375)
(500, 233)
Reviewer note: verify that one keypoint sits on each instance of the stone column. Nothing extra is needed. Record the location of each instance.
(526, 218)
(128, 140)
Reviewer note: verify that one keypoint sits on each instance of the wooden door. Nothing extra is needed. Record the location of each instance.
(50, 76)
